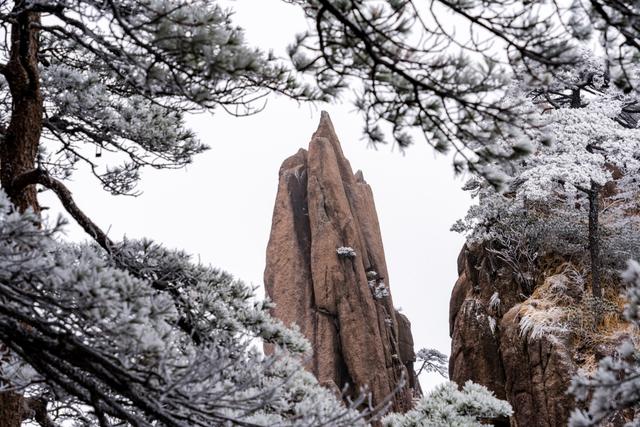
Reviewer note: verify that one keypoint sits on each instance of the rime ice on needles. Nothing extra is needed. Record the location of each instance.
(117, 78)
(537, 323)
(152, 134)
(165, 340)
(494, 301)
(378, 288)
(346, 252)
(446, 406)
(545, 206)
(492, 324)
(380, 291)
(421, 80)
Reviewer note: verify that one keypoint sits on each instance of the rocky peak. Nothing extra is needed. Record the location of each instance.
(340, 299)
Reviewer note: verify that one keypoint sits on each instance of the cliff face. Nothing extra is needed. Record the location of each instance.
(526, 344)
(342, 304)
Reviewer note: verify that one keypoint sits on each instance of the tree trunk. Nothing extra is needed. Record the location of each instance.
(19, 143)
(594, 239)
(19, 147)
(11, 411)
(576, 99)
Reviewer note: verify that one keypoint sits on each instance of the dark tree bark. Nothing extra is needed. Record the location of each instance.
(11, 412)
(19, 147)
(19, 143)
(593, 194)
(576, 100)
(594, 239)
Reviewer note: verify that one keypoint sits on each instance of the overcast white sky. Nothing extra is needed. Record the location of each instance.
(219, 209)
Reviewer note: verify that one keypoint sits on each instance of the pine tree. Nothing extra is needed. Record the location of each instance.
(142, 336)
(440, 70)
(85, 78)
(447, 406)
(589, 143)
(106, 84)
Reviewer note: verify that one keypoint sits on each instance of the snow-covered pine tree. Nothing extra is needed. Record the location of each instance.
(432, 360)
(106, 84)
(134, 333)
(582, 167)
(437, 70)
(142, 336)
(447, 406)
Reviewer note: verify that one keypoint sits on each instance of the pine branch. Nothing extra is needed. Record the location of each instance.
(39, 176)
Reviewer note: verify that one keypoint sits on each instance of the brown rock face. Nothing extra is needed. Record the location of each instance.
(341, 304)
(493, 346)
(539, 372)
(532, 373)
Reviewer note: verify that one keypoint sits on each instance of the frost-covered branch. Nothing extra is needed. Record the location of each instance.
(576, 188)
(439, 69)
(431, 360)
(115, 79)
(77, 325)
(447, 406)
(39, 176)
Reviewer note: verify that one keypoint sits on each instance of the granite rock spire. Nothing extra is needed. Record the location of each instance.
(342, 304)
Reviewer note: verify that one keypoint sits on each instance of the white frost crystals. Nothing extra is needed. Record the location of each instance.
(123, 76)
(165, 340)
(380, 291)
(535, 324)
(447, 406)
(494, 302)
(346, 252)
(378, 288)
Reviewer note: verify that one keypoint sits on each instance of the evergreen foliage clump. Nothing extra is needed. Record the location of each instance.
(145, 336)
(448, 406)
(576, 189)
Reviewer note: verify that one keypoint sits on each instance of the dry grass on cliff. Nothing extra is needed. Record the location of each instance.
(546, 311)
(562, 307)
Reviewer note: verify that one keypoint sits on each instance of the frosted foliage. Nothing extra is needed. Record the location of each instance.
(447, 406)
(615, 386)
(376, 284)
(534, 324)
(494, 301)
(420, 78)
(145, 337)
(544, 207)
(419, 75)
(492, 324)
(116, 78)
(432, 360)
(380, 291)
(154, 135)
(346, 252)
(569, 161)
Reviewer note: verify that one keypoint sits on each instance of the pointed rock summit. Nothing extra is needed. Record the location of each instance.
(341, 302)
